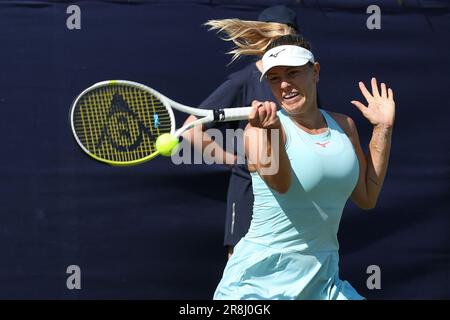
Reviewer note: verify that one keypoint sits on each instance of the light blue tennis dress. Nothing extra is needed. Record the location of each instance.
(291, 248)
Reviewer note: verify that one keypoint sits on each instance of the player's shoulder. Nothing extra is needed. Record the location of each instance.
(344, 121)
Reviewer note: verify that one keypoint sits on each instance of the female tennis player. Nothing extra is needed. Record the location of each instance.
(291, 249)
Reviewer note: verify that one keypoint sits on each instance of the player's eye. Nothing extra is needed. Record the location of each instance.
(273, 79)
(293, 73)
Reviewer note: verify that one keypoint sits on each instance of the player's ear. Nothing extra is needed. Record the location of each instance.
(316, 71)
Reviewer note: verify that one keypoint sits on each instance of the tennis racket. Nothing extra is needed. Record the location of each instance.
(118, 122)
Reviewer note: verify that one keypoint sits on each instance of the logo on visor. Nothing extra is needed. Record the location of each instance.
(276, 54)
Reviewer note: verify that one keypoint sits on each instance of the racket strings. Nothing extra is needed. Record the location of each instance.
(120, 123)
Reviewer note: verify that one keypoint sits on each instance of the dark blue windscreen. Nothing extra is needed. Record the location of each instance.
(155, 231)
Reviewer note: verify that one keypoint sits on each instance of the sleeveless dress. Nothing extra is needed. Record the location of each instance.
(291, 248)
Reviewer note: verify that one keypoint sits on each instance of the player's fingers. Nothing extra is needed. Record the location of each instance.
(262, 112)
(268, 106)
(273, 111)
(360, 106)
(255, 105)
(273, 107)
(383, 90)
(364, 91)
(271, 114)
(374, 84)
(390, 94)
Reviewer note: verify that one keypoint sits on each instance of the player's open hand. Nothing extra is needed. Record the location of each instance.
(380, 109)
(264, 115)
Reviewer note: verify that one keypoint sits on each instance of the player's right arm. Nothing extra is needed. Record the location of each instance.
(264, 147)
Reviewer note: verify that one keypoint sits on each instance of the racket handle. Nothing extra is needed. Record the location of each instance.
(232, 114)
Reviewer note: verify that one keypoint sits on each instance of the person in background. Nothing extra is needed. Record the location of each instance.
(239, 90)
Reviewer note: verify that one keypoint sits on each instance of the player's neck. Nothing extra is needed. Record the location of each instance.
(311, 119)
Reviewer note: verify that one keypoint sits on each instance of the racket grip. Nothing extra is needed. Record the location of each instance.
(233, 114)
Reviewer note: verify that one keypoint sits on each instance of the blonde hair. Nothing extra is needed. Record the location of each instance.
(250, 37)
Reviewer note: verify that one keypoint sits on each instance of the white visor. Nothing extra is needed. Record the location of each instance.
(288, 55)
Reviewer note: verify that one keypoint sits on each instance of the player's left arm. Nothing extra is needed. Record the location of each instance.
(380, 112)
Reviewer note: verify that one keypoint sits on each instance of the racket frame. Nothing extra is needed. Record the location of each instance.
(207, 116)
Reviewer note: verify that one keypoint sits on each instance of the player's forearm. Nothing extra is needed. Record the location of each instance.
(377, 161)
(275, 169)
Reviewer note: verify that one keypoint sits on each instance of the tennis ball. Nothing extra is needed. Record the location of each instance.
(166, 143)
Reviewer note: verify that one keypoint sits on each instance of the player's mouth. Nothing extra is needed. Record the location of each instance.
(291, 97)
